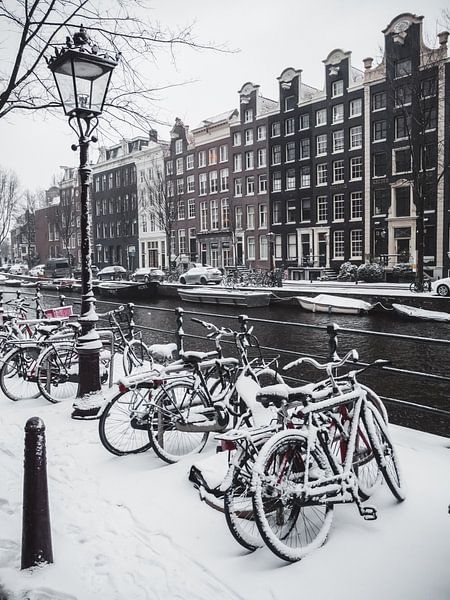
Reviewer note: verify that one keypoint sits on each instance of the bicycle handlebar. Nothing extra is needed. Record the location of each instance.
(351, 355)
(111, 312)
(222, 331)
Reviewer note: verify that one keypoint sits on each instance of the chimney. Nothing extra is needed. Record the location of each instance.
(153, 135)
(443, 37)
(368, 62)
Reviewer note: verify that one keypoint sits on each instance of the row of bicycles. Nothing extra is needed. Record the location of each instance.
(294, 452)
(38, 356)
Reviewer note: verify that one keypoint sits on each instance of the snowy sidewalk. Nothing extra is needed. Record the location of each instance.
(133, 528)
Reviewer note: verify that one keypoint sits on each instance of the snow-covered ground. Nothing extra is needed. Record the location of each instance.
(134, 528)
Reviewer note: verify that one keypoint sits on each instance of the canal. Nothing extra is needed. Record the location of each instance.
(275, 329)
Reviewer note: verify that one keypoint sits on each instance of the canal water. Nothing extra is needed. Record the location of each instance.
(277, 328)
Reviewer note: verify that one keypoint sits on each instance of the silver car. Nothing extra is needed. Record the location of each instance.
(441, 286)
(202, 274)
(147, 274)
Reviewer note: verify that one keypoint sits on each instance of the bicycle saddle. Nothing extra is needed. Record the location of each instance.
(197, 357)
(281, 392)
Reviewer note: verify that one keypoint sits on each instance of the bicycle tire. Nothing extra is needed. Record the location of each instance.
(290, 527)
(123, 424)
(383, 450)
(176, 401)
(414, 287)
(16, 381)
(57, 372)
(136, 358)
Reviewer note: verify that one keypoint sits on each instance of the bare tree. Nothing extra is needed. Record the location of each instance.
(29, 202)
(35, 27)
(9, 201)
(66, 222)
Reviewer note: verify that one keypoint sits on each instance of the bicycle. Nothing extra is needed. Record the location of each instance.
(297, 478)
(420, 287)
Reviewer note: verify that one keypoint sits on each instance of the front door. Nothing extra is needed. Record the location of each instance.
(403, 250)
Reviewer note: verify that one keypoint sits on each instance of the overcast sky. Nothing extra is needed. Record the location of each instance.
(270, 36)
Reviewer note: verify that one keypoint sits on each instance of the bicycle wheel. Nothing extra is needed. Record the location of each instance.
(290, 525)
(57, 372)
(136, 358)
(123, 425)
(383, 450)
(414, 287)
(18, 373)
(238, 504)
(178, 406)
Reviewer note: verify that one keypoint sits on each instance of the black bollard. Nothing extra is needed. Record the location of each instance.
(36, 534)
(179, 332)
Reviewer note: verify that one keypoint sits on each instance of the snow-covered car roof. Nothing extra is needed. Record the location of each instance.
(112, 269)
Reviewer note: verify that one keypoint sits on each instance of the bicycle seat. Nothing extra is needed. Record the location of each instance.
(281, 392)
(197, 357)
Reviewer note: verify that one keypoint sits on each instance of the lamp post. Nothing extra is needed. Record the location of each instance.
(82, 74)
(271, 240)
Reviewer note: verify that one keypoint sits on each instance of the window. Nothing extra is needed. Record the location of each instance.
(356, 205)
(305, 148)
(181, 211)
(213, 186)
(289, 103)
(202, 179)
(178, 146)
(338, 207)
(263, 247)
(251, 248)
(379, 164)
(191, 208)
(291, 211)
(248, 136)
(402, 68)
(356, 243)
(427, 157)
(202, 158)
(170, 189)
(237, 138)
(401, 127)
(203, 216)
(304, 122)
(290, 179)
(321, 117)
(355, 107)
(402, 202)
(180, 186)
(428, 88)
(249, 161)
(402, 160)
(237, 162)
(321, 144)
(290, 151)
(276, 129)
(238, 217)
(355, 137)
(380, 202)
(292, 246)
(322, 208)
(262, 157)
(250, 185)
(379, 130)
(305, 209)
(225, 209)
(276, 211)
(379, 101)
(212, 156)
(305, 177)
(276, 155)
(276, 181)
(169, 167)
(356, 167)
(338, 244)
(338, 140)
(238, 187)
(214, 208)
(261, 133)
(262, 216)
(223, 153)
(248, 115)
(289, 126)
(321, 171)
(262, 183)
(190, 181)
(338, 171)
(337, 88)
(338, 113)
(250, 216)
(110, 181)
(430, 119)
(403, 96)
(223, 180)
(189, 162)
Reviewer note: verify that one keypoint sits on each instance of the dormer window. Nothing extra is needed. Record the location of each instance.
(337, 88)
(178, 146)
(248, 115)
(402, 68)
(289, 103)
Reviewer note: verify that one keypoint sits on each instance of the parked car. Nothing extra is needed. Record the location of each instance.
(77, 271)
(202, 274)
(37, 271)
(441, 286)
(113, 273)
(147, 274)
(18, 269)
(57, 268)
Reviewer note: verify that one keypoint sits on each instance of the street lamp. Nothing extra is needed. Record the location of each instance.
(82, 74)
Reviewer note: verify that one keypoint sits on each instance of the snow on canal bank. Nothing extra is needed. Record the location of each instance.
(133, 528)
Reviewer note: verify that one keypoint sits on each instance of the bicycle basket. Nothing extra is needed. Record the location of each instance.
(122, 319)
(59, 312)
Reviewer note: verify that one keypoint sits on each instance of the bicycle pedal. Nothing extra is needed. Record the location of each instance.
(369, 513)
